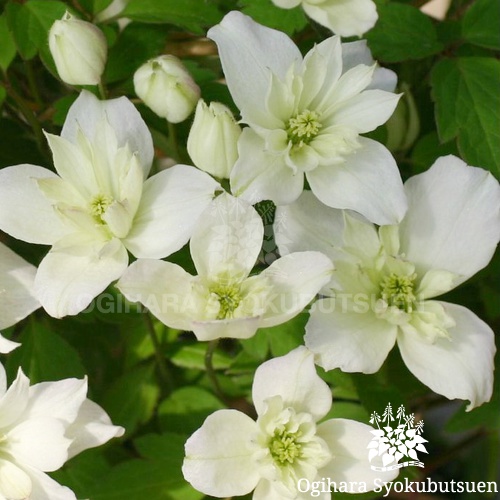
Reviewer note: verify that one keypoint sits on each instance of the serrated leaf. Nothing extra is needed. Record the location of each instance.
(131, 400)
(264, 12)
(44, 355)
(186, 409)
(465, 92)
(481, 24)
(195, 15)
(402, 32)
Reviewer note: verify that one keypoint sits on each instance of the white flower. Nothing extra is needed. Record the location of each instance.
(16, 297)
(231, 454)
(344, 17)
(305, 116)
(79, 50)
(100, 205)
(213, 138)
(385, 281)
(41, 427)
(165, 86)
(223, 300)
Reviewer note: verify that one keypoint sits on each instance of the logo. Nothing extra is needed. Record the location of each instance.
(391, 444)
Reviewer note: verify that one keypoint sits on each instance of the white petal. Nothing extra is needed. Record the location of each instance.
(308, 224)
(69, 278)
(27, 214)
(459, 367)
(15, 484)
(171, 203)
(87, 111)
(7, 345)
(357, 183)
(352, 340)
(164, 288)
(39, 443)
(237, 328)
(364, 112)
(453, 219)
(45, 488)
(227, 238)
(61, 399)
(348, 441)
(92, 428)
(258, 175)
(16, 297)
(295, 279)
(294, 378)
(249, 52)
(14, 400)
(219, 455)
(346, 18)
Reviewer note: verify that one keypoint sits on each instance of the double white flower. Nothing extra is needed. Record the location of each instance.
(224, 300)
(100, 205)
(41, 427)
(384, 280)
(305, 116)
(286, 448)
(16, 297)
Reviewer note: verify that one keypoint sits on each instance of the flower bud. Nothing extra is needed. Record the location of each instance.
(212, 141)
(166, 87)
(79, 50)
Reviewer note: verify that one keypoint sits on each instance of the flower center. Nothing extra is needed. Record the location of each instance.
(284, 447)
(99, 205)
(397, 291)
(303, 127)
(229, 298)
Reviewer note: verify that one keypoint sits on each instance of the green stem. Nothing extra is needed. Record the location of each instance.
(163, 371)
(102, 90)
(172, 140)
(32, 83)
(212, 346)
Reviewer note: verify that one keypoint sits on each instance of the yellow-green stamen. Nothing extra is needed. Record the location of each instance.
(303, 127)
(284, 447)
(398, 291)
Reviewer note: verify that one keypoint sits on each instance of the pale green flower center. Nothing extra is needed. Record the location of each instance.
(303, 127)
(397, 291)
(229, 298)
(99, 205)
(284, 446)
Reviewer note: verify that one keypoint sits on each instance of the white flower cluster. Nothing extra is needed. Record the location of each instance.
(379, 252)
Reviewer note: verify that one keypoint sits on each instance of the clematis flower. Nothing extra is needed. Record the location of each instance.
(384, 287)
(41, 427)
(344, 17)
(16, 297)
(100, 205)
(305, 117)
(223, 300)
(286, 448)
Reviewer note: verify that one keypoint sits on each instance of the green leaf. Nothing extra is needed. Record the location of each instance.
(156, 477)
(34, 17)
(94, 6)
(481, 24)
(465, 92)
(427, 150)
(193, 356)
(7, 45)
(186, 409)
(44, 355)
(402, 32)
(135, 45)
(194, 15)
(131, 400)
(264, 12)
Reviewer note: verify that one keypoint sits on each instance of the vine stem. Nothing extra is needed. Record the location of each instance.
(163, 370)
(172, 139)
(212, 345)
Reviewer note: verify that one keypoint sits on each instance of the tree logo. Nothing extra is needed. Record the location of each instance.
(390, 444)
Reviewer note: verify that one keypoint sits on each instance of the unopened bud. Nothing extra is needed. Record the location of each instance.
(79, 50)
(213, 138)
(165, 86)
